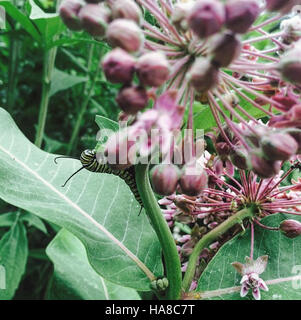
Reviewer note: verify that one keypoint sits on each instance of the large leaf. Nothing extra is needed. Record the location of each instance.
(13, 258)
(62, 81)
(283, 273)
(49, 24)
(98, 208)
(74, 278)
(20, 17)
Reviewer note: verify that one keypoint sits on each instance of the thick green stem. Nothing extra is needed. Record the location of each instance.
(48, 66)
(209, 238)
(171, 257)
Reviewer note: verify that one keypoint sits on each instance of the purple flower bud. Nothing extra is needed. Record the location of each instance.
(125, 34)
(278, 146)
(203, 75)
(290, 65)
(281, 5)
(95, 19)
(153, 69)
(193, 180)
(165, 178)
(239, 157)
(119, 66)
(126, 9)
(291, 228)
(69, 10)
(240, 14)
(264, 168)
(132, 99)
(226, 48)
(206, 17)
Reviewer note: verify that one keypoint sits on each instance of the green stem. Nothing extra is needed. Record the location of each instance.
(85, 103)
(12, 75)
(171, 257)
(209, 238)
(48, 66)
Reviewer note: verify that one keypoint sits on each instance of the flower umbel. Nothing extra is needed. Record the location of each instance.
(250, 272)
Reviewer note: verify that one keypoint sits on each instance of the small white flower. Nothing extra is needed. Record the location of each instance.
(250, 272)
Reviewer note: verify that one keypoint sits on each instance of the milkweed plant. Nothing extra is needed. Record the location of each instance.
(192, 189)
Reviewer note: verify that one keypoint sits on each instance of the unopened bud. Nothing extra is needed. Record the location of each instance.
(153, 69)
(291, 228)
(164, 178)
(180, 13)
(278, 146)
(132, 99)
(69, 11)
(119, 66)
(203, 75)
(287, 101)
(125, 34)
(239, 157)
(95, 18)
(264, 168)
(296, 134)
(126, 9)
(294, 113)
(290, 65)
(225, 49)
(240, 14)
(281, 5)
(120, 152)
(193, 180)
(206, 17)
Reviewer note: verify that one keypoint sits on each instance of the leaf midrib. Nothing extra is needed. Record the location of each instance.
(132, 256)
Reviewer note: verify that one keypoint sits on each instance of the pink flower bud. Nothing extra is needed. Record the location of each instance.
(180, 13)
(240, 15)
(119, 66)
(164, 178)
(290, 65)
(264, 168)
(296, 134)
(203, 75)
(120, 152)
(95, 19)
(287, 101)
(132, 99)
(193, 180)
(126, 9)
(206, 17)
(125, 34)
(226, 48)
(69, 10)
(294, 113)
(239, 157)
(291, 228)
(278, 146)
(281, 5)
(153, 69)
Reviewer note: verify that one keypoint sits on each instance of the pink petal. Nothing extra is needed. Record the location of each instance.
(262, 285)
(244, 279)
(256, 293)
(244, 290)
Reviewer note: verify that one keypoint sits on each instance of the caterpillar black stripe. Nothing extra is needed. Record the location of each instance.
(89, 161)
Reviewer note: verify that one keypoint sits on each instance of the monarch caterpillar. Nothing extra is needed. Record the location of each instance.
(89, 161)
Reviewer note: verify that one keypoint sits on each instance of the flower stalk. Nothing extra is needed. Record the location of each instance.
(210, 237)
(170, 253)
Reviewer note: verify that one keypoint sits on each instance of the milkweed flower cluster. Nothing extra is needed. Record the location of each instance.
(240, 59)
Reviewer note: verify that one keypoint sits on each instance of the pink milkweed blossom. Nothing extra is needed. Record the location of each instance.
(250, 272)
